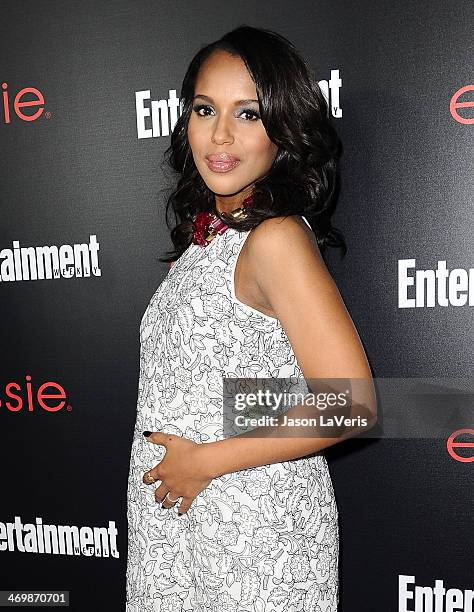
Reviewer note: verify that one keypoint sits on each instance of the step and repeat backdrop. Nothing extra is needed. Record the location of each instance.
(90, 96)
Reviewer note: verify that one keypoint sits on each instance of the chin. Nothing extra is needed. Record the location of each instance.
(224, 188)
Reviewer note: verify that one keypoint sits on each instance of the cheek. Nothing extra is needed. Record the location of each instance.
(193, 135)
(265, 150)
(190, 135)
(262, 145)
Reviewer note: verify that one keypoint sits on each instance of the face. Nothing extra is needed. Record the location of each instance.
(230, 146)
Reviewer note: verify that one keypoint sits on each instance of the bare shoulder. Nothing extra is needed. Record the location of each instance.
(286, 238)
(283, 255)
(297, 288)
(283, 223)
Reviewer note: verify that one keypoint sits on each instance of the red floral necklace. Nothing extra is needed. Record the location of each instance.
(207, 225)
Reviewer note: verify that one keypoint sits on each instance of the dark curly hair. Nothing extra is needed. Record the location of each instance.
(304, 177)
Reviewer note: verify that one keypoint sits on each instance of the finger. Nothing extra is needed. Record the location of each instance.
(161, 491)
(159, 437)
(170, 500)
(151, 476)
(185, 504)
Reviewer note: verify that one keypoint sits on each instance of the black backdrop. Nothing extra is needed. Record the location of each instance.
(80, 170)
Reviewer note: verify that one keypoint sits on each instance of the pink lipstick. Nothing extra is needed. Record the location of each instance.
(222, 162)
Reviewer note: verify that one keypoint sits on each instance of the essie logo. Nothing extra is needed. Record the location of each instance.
(50, 396)
(18, 103)
(452, 444)
(454, 104)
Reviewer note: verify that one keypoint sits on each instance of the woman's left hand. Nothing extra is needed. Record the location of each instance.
(182, 471)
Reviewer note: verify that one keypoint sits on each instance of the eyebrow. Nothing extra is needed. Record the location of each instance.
(239, 102)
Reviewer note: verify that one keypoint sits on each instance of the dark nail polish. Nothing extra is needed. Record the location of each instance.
(147, 433)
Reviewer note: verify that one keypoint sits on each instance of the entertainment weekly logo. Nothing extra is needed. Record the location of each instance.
(156, 118)
(58, 539)
(49, 262)
(437, 287)
(413, 598)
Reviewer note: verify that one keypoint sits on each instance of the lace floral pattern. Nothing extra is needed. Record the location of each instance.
(263, 539)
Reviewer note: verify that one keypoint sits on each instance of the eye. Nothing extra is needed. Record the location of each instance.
(200, 107)
(255, 116)
(252, 115)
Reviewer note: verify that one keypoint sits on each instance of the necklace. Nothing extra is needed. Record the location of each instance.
(207, 225)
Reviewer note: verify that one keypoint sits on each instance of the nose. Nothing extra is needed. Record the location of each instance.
(222, 132)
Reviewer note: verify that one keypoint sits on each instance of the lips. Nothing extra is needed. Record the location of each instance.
(222, 162)
(222, 157)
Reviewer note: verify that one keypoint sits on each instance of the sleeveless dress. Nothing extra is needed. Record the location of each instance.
(264, 539)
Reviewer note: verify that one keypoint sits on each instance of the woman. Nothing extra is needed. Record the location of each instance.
(241, 523)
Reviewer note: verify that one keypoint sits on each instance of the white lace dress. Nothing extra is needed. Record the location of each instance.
(264, 539)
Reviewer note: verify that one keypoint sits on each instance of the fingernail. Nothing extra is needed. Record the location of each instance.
(147, 433)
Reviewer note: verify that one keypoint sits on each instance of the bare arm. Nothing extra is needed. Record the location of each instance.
(294, 279)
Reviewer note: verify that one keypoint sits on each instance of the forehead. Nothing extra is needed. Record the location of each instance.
(224, 75)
